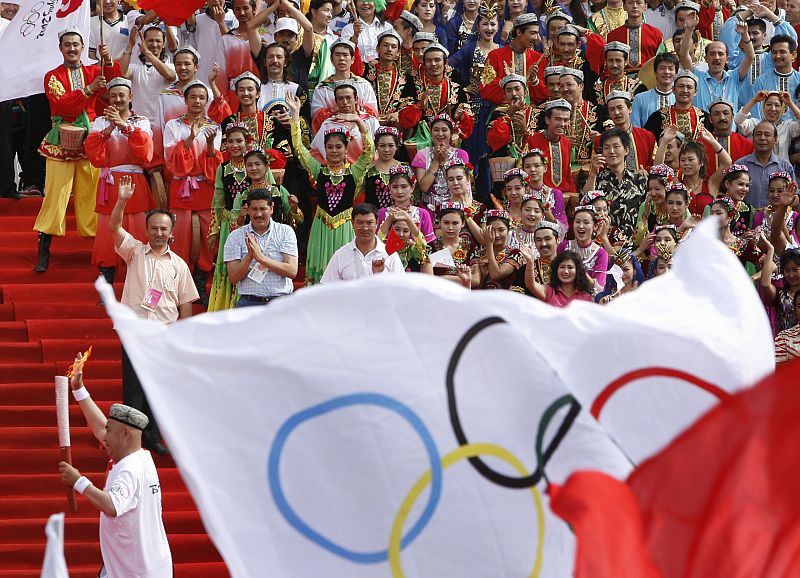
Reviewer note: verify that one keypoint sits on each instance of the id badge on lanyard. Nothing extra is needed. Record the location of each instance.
(152, 295)
(258, 271)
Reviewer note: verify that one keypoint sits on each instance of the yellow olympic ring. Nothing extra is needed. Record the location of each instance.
(464, 452)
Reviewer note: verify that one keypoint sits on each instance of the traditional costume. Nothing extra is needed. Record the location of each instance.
(643, 40)
(556, 152)
(605, 84)
(336, 189)
(688, 120)
(607, 19)
(387, 84)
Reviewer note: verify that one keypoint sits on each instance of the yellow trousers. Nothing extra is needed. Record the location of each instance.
(63, 179)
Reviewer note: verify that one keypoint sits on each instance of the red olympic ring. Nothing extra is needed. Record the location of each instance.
(625, 379)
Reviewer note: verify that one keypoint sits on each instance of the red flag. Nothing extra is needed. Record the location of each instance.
(721, 500)
(393, 242)
(173, 12)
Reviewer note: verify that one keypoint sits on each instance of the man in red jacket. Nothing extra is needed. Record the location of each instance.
(72, 90)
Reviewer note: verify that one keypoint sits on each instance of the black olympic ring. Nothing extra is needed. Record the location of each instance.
(542, 455)
(31, 19)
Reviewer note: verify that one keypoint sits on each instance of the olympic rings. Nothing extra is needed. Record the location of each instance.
(542, 455)
(601, 400)
(468, 451)
(273, 472)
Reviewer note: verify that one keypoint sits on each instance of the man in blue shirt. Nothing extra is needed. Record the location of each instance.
(782, 78)
(762, 162)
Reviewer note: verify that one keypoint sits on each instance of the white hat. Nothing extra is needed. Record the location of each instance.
(289, 24)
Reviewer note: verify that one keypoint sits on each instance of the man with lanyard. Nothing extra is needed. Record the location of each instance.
(158, 286)
(120, 144)
(721, 113)
(642, 38)
(614, 77)
(686, 117)
(660, 96)
(261, 257)
(133, 541)
(782, 77)
(716, 82)
(248, 88)
(643, 143)
(555, 145)
(366, 254)
(387, 78)
(516, 57)
(72, 90)
(323, 103)
(661, 15)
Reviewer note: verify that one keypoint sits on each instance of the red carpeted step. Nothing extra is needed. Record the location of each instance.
(89, 329)
(189, 570)
(59, 272)
(42, 291)
(73, 259)
(13, 331)
(24, 223)
(15, 486)
(17, 207)
(41, 436)
(7, 312)
(44, 505)
(42, 415)
(64, 350)
(42, 393)
(43, 372)
(53, 311)
(20, 352)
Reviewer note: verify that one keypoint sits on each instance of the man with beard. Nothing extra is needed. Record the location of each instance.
(121, 145)
(556, 147)
(687, 118)
(642, 38)
(73, 91)
(517, 57)
(643, 143)
(158, 286)
(248, 89)
(614, 77)
(716, 81)
(323, 103)
(721, 113)
(660, 96)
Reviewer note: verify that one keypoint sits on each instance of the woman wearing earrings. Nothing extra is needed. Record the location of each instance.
(401, 186)
(594, 257)
(376, 181)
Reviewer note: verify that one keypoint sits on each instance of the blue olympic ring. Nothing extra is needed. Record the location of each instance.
(294, 520)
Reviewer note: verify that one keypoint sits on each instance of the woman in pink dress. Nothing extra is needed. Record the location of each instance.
(570, 282)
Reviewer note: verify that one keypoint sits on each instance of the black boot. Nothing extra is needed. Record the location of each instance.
(44, 253)
(108, 275)
(200, 279)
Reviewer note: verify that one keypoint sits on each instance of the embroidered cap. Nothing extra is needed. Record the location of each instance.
(585, 208)
(678, 186)
(337, 130)
(451, 206)
(721, 100)
(780, 175)
(247, 75)
(662, 170)
(557, 103)
(129, 416)
(401, 169)
(591, 196)
(444, 117)
(514, 173)
(572, 72)
(456, 162)
(70, 30)
(734, 168)
(624, 95)
(558, 14)
(495, 214)
(119, 81)
(411, 19)
(193, 84)
(687, 5)
(509, 78)
(525, 19)
(425, 36)
(685, 74)
(435, 46)
(390, 33)
(387, 130)
(190, 49)
(346, 82)
(553, 71)
(619, 46)
(730, 206)
(342, 42)
(569, 29)
(548, 225)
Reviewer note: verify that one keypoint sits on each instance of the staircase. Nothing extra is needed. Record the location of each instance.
(45, 319)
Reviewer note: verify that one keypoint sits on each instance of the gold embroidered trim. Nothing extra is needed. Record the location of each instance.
(334, 222)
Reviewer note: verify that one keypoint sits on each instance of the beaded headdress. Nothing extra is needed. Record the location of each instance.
(456, 162)
(237, 126)
(589, 208)
(734, 168)
(487, 11)
(671, 228)
(728, 203)
(451, 206)
(443, 117)
(400, 169)
(780, 175)
(341, 131)
(515, 173)
(495, 214)
(666, 172)
(678, 186)
(665, 251)
(592, 196)
(387, 130)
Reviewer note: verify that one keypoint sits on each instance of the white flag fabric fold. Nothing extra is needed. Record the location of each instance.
(403, 426)
(54, 565)
(29, 44)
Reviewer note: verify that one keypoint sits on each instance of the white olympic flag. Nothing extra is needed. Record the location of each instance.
(403, 426)
(29, 44)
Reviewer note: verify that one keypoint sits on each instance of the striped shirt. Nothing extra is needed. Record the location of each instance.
(278, 240)
(787, 344)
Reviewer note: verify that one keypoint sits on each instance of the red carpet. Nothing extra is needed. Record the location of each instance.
(45, 319)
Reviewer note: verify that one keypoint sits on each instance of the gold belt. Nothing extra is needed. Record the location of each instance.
(334, 222)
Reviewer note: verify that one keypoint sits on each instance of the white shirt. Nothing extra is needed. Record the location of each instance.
(147, 84)
(114, 35)
(356, 144)
(275, 90)
(3, 25)
(205, 39)
(278, 240)
(349, 263)
(134, 544)
(325, 99)
(368, 39)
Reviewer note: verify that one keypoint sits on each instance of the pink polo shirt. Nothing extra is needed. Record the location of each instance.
(167, 273)
(557, 298)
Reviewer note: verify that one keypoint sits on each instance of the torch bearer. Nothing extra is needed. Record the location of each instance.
(62, 415)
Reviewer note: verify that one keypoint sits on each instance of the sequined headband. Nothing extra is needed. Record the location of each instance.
(451, 206)
(338, 131)
(456, 162)
(730, 206)
(592, 196)
(401, 169)
(780, 175)
(443, 117)
(735, 169)
(589, 208)
(665, 171)
(514, 173)
(495, 214)
(387, 130)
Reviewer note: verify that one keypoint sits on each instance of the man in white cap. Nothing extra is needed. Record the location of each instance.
(248, 89)
(614, 77)
(73, 91)
(387, 78)
(555, 146)
(407, 26)
(119, 144)
(133, 541)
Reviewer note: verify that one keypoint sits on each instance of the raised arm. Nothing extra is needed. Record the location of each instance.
(252, 26)
(539, 290)
(126, 190)
(165, 71)
(746, 46)
(93, 414)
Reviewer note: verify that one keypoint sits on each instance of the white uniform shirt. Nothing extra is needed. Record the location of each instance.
(134, 544)
(147, 86)
(349, 263)
(115, 35)
(205, 39)
(325, 99)
(368, 39)
(272, 90)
